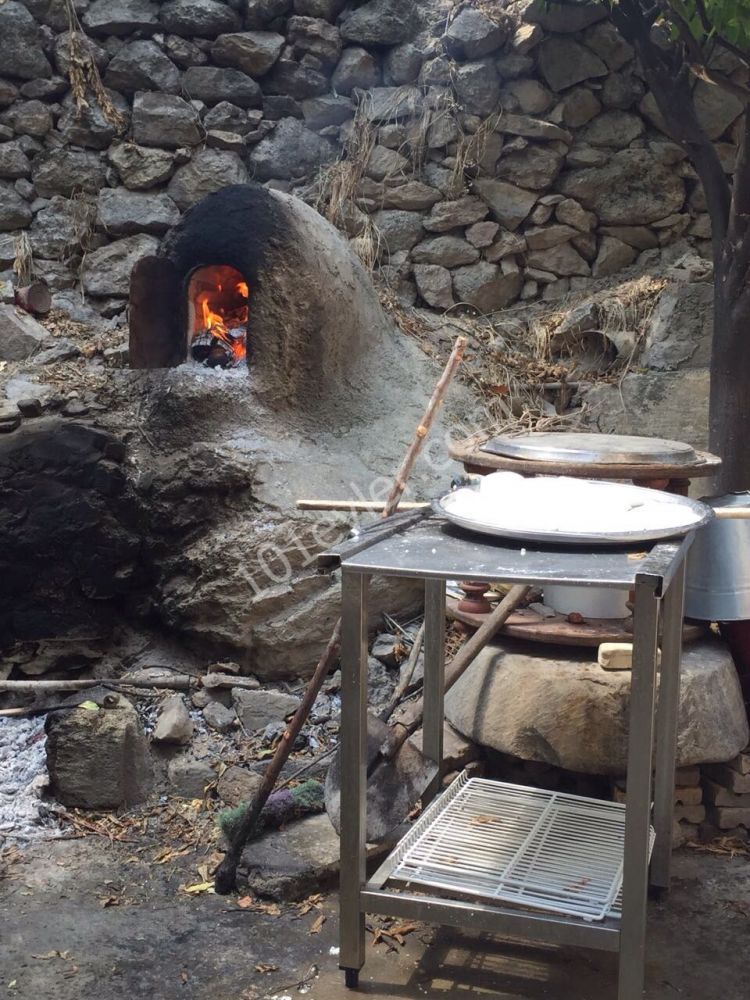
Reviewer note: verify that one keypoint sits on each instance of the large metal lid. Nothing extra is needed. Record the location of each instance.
(592, 449)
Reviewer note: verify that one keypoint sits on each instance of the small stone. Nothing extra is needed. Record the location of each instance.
(219, 717)
(141, 167)
(291, 150)
(411, 196)
(398, 231)
(447, 215)
(535, 167)
(204, 18)
(471, 35)
(321, 112)
(392, 103)
(613, 255)
(564, 62)
(481, 234)
(212, 84)
(531, 96)
(13, 161)
(165, 120)
(10, 417)
(434, 285)
(208, 171)
(485, 287)
(533, 128)
(75, 408)
(14, 210)
(570, 213)
(122, 212)
(30, 118)
(252, 52)
(380, 22)
(478, 87)
(613, 129)
(257, 709)
(297, 81)
(61, 350)
(606, 41)
(564, 17)
(314, 36)
(29, 406)
(621, 90)
(526, 38)
(509, 204)
(237, 785)
(356, 69)
(174, 724)
(107, 271)
(563, 260)
(20, 334)
(189, 777)
(448, 251)
(402, 64)
(548, 236)
(23, 56)
(120, 17)
(142, 65)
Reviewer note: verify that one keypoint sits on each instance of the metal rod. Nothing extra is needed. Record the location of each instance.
(666, 728)
(353, 768)
(638, 792)
(434, 680)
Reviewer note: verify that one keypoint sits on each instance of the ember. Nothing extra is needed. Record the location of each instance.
(218, 298)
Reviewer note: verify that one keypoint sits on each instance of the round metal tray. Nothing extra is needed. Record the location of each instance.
(592, 449)
(696, 515)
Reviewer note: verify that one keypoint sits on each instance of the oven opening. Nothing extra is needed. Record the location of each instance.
(218, 309)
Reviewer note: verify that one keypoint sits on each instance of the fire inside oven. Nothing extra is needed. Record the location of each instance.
(218, 308)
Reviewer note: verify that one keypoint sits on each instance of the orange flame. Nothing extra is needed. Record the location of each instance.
(219, 311)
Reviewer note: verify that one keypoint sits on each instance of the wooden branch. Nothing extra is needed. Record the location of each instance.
(358, 505)
(739, 213)
(225, 877)
(180, 683)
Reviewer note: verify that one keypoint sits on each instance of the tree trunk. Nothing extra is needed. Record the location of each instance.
(729, 407)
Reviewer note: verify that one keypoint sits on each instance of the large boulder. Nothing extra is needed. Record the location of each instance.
(633, 188)
(477, 85)
(356, 68)
(122, 212)
(89, 126)
(15, 213)
(252, 52)
(509, 204)
(564, 62)
(142, 65)
(98, 757)
(204, 18)
(567, 711)
(21, 40)
(165, 120)
(121, 17)
(59, 230)
(212, 84)
(534, 167)
(471, 35)
(380, 22)
(139, 167)
(207, 171)
(106, 271)
(485, 286)
(20, 334)
(13, 161)
(66, 171)
(291, 150)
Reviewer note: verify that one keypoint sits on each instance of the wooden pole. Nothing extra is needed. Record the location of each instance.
(225, 878)
(358, 505)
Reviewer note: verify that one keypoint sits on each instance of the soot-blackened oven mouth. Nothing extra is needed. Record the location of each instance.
(217, 316)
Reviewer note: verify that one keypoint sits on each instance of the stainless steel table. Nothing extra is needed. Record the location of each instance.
(435, 552)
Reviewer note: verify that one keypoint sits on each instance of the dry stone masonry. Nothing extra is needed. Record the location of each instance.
(495, 152)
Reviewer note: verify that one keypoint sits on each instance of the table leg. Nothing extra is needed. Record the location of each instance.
(638, 803)
(666, 728)
(434, 679)
(353, 772)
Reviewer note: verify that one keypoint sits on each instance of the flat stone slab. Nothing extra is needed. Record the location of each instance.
(569, 712)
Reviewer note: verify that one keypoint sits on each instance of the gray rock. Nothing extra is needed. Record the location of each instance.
(173, 724)
(297, 81)
(61, 350)
(59, 229)
(212, 84)
(509, 204)
(534, 167)
(570, 713)
(13, 161)
(315, 37)
(680, 328)
(14, 210)
(291, 150)
(482, 234)
(384, 162)
(448, 251)
(140, 167)
(392, 103)
(219, 717)
(29, 118)
(564, 17)
(98, 759)
(326, 110)
(120, 17)
(204, 18)
(216, 139)
(8, 93)
(402, 64)
(532, 97)
(564, 62)
(446, 215)
(606, 41)
(106, 271)
(237, 785)
(141, 65)
(398, 231)
(633, 188)
(640, 237)
(457, 750)
(434, 285)
(579, 107)
(327, 9)
(613, 255)
(260, 13)
(61, 53)
(207, 171)
(442, 131)
(228, 117)
(45, 90)
(563, 260)
(413, 196)
(532, 128)
(122, 212)
(65, 171)
(257, 709)
(477, 86)
(471, 35)
(23, 55)
(548, 236)
(570, 213)
(252, 52)
(90, 127)
(20, 334)
(183, 52)
(716, 108)
(621, 90)
(189, 777)
(613, 129)
(165, 120)
(484, 286)
(356, 68)
(380, 22)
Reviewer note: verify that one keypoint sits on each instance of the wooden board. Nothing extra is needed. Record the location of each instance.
(527, 624)
(468, 450)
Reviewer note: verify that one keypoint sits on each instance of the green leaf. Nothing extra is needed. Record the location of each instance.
(90, 706)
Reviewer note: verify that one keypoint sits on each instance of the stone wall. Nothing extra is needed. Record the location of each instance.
(490, 152)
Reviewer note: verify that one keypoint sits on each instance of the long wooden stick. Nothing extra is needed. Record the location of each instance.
(225, 878)
(364, 505)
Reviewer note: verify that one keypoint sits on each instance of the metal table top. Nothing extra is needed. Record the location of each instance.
(434, 549)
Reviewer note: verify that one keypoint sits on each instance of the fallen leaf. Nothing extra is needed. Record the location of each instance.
(482, 820)
(12, 984)
(184, 976)
(53, 954)
(198, 887)
(264, 968)
(90, 706)
(245, 902)
(318, 924)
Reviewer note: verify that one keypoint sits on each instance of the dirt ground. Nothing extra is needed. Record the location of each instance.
(86, 919)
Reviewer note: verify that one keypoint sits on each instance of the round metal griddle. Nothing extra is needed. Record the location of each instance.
(592, 449)
(696, 514)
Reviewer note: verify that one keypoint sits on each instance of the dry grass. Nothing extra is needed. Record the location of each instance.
(84, 74)
(23, 265)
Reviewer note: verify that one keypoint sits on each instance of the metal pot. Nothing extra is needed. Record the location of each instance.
(718, 573)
